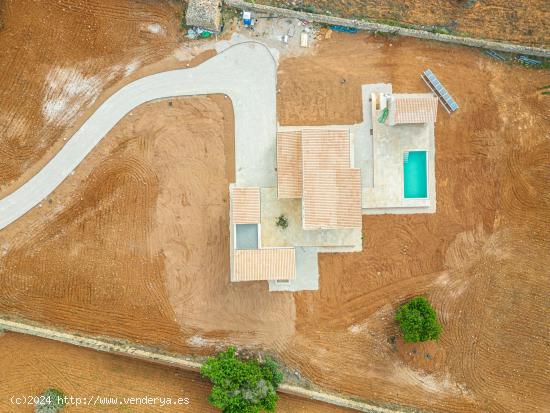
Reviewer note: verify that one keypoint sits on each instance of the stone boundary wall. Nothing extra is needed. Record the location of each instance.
(149, 354)
(385, 28)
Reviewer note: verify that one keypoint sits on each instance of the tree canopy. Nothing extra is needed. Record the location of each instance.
(242, 386)
(50, 401)
(418, 321)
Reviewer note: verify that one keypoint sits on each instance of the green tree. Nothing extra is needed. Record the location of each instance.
(418, 321)
(242, 386)
(50, 401)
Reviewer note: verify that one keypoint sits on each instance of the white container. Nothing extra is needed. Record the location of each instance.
(304, 40)
(383, 101)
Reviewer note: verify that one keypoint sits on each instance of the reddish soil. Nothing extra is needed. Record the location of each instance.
(135, 244)
(517, 21)
(38, 364)
(62, 58)
(481, 259)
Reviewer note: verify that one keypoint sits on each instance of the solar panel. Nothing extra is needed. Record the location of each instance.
(436, 86)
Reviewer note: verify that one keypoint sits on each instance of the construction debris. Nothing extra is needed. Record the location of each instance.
(196, 32)
(324, 33)
(205, 14)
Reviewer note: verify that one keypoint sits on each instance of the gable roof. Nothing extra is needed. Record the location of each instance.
(245, 205)
(289, 164)
(331, 196)
(413, 108)
(264, 264)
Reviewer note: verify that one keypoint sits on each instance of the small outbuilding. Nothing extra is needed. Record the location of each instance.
(409, 108)
(205, 14)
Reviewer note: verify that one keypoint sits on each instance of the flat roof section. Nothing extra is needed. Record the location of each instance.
(264, 264)
(246, 236)
(289, 164)
(245, 205)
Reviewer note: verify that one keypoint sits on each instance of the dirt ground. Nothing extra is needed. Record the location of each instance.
(133, 246)
(58, 60)
(38, 364)
(517, 21)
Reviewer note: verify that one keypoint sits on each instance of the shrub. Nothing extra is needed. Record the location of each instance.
(282, 222)
(242, 386)
(418, 321)
(50, 401)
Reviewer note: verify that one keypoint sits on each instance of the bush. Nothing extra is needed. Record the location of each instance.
(282, 222)
(242, 386)
(50, 401)
(418, 321)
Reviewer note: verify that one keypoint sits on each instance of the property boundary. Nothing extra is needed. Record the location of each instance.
(149, 354)
(386, 28)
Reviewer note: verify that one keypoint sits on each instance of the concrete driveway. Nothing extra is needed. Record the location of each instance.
(246, 72)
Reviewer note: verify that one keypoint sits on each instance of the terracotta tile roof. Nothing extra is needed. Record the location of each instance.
(414, 109)
(331, 189)
(245, 205)
(289, 164)
(264, 264)
(325, 149)
(332, 199)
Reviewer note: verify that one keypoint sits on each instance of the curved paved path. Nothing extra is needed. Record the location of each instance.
(245, 72)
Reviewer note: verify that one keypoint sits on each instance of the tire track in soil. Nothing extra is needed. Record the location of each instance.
(492, 251)
(95, 38)
(40, 364)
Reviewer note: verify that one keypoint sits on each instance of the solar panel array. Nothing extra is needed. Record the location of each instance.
(440, 90)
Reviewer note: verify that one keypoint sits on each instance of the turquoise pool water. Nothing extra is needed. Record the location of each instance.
(415, 174)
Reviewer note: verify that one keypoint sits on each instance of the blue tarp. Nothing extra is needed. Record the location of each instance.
(344, 29)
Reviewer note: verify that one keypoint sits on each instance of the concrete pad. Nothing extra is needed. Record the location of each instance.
(294, 234)
(307, 272)
(389, 144)
(363, 134)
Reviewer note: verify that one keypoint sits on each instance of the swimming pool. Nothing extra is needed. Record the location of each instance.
(415, 174)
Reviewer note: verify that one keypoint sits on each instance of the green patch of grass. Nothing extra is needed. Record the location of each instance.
(228, 14)
(440, 30)
(390, 22)
(307, 8)
(183, 24)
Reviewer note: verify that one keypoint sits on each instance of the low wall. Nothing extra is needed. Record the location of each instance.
(385, 28)
(170, 359)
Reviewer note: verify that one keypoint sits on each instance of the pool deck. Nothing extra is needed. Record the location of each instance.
(382, 157)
